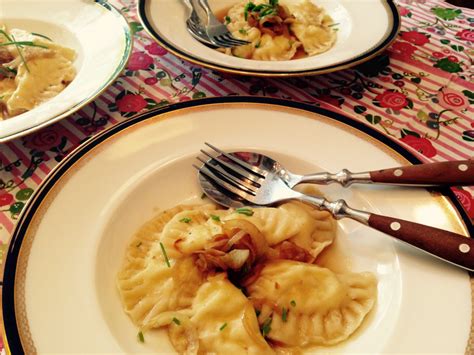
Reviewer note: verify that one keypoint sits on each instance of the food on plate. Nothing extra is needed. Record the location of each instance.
(279, 31)
(243, 280)
(33, 69)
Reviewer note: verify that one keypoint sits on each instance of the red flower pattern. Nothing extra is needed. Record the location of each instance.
(403, 11)
(6, 199)
(45, 139)
(466, 200)
(139, 61)
(415, 37)
(404, 49)
(392, 99)
(451, 99)
(131, 103)
(466, 35)
(422, 145)
(155, 49)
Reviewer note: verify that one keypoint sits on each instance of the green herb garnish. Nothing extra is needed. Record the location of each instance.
(185, 220)
(248, 8)
(243, 31)
(167, 261)
(284, 314)
(293, 303)
(266, 327)
(257, 312)
(176, 321)
(333, 24)
(244, 210)
(23, 43)
(215, 218)
(18, 48)
(227, 20)
(223, 326)
(43, 36)
(257, 45)
(261, 10)
(141, 338)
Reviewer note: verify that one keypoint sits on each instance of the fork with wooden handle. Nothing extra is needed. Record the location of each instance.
(259, 189)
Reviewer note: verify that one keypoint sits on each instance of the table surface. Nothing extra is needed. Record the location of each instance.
(421, 93)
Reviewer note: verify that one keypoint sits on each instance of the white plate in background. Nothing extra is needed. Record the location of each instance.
(98, 33)
(365, 28)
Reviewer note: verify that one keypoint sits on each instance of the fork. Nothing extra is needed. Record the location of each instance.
(197, 30)
(217, 32)
(268, 190)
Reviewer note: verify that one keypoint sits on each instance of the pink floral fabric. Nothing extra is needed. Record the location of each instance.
(420, 94)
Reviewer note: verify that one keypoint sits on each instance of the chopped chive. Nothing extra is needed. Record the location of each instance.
(227, 20)
(141, 338)
(185, 220)
(215, 218)
(284, 314)
(333, 24)
(138, 245)
(40, 35)
(293, 303)
(223, 326)
(257, 312)
(257, 45)
(244, 210)
(6, 35)
(18, 48)
(266, 327)
(176, 321)
(23, 43)
(243, 31)
(167, 261)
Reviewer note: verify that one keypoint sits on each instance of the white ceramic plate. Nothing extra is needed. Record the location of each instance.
(97, 32)
(366, 27)
(59, 291)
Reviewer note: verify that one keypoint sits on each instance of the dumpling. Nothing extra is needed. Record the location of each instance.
(311, 27)
(226, 321)
(307, 227)
(46, 77)
(147, 285)
(275, 48)
(190, 230)
(310, 305)
(250, 34)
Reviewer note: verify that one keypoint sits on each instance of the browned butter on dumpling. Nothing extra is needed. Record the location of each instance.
(306, 304)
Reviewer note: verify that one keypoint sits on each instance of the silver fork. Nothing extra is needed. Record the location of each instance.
(237, 178)
(217, 32)
(197, 30)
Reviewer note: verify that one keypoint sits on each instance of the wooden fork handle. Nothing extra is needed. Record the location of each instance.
(446, 245)
(459, 172)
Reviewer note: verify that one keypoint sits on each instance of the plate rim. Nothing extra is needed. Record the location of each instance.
(127, 51)
(10, 332)
(361, 58)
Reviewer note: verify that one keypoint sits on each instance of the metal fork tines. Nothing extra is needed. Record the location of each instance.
(217, 32)
(238, 173)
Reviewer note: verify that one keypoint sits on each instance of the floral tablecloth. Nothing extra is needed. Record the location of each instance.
(421, 92)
